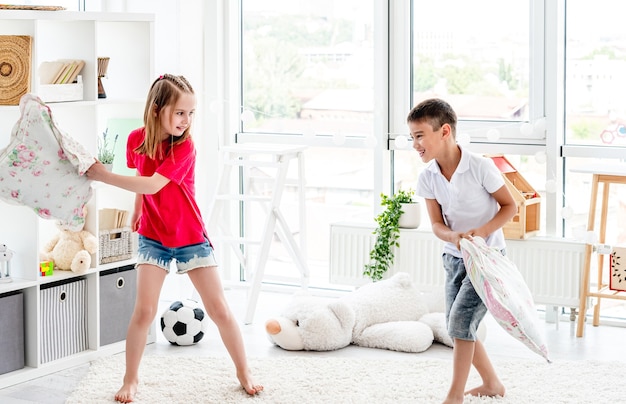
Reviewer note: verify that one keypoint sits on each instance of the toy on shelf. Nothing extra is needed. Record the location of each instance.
(5, 263)
(70, 250)
(46, 268)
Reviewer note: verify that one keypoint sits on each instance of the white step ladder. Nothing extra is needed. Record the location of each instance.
(249, 157)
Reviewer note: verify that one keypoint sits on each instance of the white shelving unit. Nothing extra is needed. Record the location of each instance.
(128, 39)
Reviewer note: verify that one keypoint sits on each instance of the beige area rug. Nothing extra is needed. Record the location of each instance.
(316, 379)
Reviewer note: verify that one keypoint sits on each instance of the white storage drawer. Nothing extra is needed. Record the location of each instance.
(63, 319)
(118, 289)
(11, 332)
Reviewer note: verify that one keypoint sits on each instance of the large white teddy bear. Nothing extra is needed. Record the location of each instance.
(390, 314)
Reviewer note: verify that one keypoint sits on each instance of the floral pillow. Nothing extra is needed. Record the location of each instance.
(502, 288)
(43, 167)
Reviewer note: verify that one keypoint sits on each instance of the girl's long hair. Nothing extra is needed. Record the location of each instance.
(164, 91)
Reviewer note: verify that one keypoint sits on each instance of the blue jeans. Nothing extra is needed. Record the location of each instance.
(464, 308)
(187, 258)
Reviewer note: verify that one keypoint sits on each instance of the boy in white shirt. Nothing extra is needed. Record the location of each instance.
(465, 196)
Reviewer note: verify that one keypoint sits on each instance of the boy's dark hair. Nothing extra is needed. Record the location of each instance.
(434, 111)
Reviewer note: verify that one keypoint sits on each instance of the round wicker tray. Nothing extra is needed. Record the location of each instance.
(15, 54)
(40, 8)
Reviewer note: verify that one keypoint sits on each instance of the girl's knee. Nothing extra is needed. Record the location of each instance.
(220, 313)
(144, 315)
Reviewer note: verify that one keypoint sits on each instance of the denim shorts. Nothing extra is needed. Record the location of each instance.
(187, 258)
(464, 308)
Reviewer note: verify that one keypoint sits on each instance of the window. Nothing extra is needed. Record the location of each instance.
(308, 68)
(308, 78)
(482, 67)
(340, 77)
(595, 132)
(596, 73)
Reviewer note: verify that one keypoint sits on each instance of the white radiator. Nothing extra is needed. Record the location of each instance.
(551, 267)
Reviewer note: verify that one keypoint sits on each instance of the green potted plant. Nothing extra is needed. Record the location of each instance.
(387, 233)
(106, 150)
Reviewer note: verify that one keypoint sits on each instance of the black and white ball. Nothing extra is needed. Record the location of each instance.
(183, 323)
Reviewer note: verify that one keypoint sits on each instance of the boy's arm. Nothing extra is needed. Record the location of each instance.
(508, 209)
(439, 227)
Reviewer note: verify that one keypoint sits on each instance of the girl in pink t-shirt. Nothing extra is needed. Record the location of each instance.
(169, 224)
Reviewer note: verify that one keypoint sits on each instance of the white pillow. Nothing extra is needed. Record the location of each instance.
(502, 288)
(43, 167)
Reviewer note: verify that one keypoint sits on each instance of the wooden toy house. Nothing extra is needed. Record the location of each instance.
(527, 220)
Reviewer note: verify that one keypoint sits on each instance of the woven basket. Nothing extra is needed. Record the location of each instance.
(15, 66)
(115, 245)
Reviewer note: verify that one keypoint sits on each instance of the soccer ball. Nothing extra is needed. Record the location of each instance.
(183, 323)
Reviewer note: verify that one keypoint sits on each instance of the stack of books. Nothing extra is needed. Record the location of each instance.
(60, 72)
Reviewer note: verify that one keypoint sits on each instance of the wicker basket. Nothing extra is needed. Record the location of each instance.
(115, 245)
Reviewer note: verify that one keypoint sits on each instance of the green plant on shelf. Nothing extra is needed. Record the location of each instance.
(106, 150)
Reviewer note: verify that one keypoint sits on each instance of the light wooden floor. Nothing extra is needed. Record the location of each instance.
(599, 343)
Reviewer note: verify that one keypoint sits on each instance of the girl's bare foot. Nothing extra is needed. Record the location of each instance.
(127, 393)
(248, 384)
(497, 389)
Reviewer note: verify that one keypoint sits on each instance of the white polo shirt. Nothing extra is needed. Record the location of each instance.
(465, 200)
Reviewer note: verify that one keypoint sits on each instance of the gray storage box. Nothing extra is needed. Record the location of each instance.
(118, 288)
(63, 319)
(11, 332)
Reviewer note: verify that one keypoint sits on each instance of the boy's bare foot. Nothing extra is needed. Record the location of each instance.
(453, 400)
(248, 384)
(127, 393)
(497, 389)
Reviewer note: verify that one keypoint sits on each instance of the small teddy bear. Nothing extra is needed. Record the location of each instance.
(70, 250)
(390, 314)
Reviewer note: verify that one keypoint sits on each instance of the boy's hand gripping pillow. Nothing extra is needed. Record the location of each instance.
(502, 288)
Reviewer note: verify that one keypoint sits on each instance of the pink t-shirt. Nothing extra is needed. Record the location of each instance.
(170, 216)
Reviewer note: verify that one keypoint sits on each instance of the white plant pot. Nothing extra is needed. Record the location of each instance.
(411, 215)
